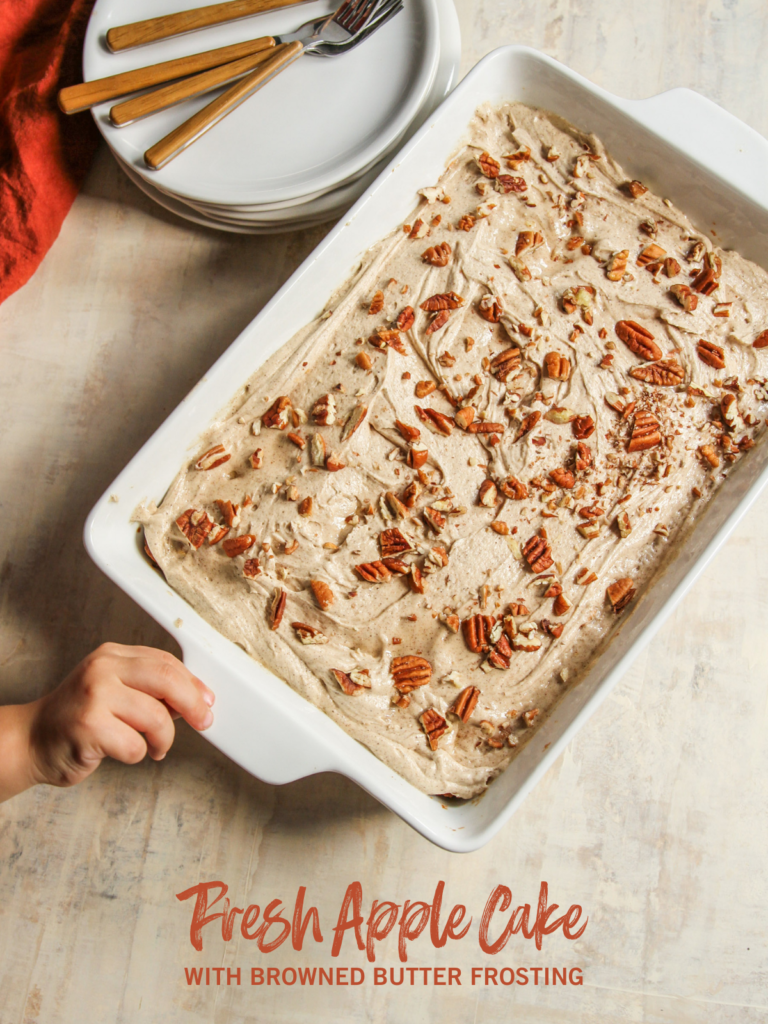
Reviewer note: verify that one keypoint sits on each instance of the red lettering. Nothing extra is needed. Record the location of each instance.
(579, 978)
(490, 975)
(233, 974)
(381, 921)
(439, 975)
(250, 917)
(199, 918)
(570, 924)
(194, 975)
(305, 975)
(509, 971)
(379, 975)
(412, 923)
(353, 896)
(501, 897)
(454, 974)
(522, 975)
(536, 974)
(300, 924)
(273, 975)
(293, 975)
(476, 970)
(270, 918)
(341, 972)
(354, 973)
(257, 976)
(455, 918)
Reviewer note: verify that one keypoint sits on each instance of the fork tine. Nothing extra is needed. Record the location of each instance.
(354, 14)
(384, 10)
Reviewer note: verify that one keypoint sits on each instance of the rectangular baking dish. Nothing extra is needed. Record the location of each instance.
(681, 145)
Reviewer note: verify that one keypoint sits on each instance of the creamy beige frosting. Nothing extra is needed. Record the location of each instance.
(578, 201)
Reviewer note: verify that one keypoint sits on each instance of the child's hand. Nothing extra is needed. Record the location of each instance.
(118, 702)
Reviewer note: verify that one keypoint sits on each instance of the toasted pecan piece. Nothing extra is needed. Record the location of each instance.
(352, 683)
(417, 457)
(709, 279)
(537, 553)
(363, 360)
(467, 222)
(437, 255)
(464, 417)
(651, 254)
(505, 363)
(635, 189)
(438, 322)
(234, 546)
(487, 495)
(711, 354)
(488, 165)
(333, 462)
(665, 373)
(252, 568)
(278, 414)
(513, 488)
(761, 341)
(435, 519)
(687, 299)
(444, 300)
(558, 367)
(256, 459)
(490, 309)
(228, 512)
(277, 608)
(214, 457)
(528, 240)
(324, 410)
(563, 478)
(616, 267)
(507, 183)
(437, 422)
(387, 337)
(353, 421)
(308, 634)
(465, 703)
(500, 654)
(424, 388)
(410, 672)
(476, 631)
(393, 542)
(434, 725)
(377, 303)
(373, 572)
(645, 433)
(582, 427)
(638, 338)
(305, 507)
(527, 424)
(195, 525)
(485, 427)
(405, 319)
(583, 456)
(620, 593)
(322, 593)
(407, 432)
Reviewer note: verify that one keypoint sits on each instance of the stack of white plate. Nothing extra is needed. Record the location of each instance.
(302, 149)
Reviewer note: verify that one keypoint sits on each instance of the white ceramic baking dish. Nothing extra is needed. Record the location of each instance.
(683, 146)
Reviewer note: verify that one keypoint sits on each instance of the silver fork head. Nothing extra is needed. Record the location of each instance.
(378, 13)
(353, 14)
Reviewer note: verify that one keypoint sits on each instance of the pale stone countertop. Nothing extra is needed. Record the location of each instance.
(655, 817)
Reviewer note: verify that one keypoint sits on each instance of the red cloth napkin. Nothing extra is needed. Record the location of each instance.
(44, 155)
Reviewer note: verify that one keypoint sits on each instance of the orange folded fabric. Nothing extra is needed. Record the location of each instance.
(44, 155)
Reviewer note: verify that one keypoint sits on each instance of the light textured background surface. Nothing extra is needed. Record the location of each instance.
(655, 817)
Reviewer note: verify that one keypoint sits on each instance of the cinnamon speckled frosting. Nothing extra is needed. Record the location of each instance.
(432, 506)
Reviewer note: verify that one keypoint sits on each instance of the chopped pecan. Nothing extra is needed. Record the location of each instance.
(218, 533)
(560, 605)
(665, 373)
(195, 525)
(711, 354)
(405, 319)
(729, 410)
(616, 267)
(528, 240)
(398, 509)
(214, 457)
(501, 653)
(424, 388)
(278, 414)
(234, 546)
(505, 363)
(563, 478)
(438, 321)
(437, 422)
(416, 581)
(373, 572)
(322, 593)
(277, 608)
(363, 360)
(377, 303)
(333, 462)
(707, 451)
(639, 339)
(485, 427)
(417, 457)
(581, 297)
(583, 456)
(444, 300)
(761, 341)
(645, 433)
(393, 542)
(519, 269)
(467, 222)
(558, 367)
(318, 450)
(437, 255)
(513, 488)
(397, 566)
(488, 165)
(256, 459)
(651, 254)
(506, 183)
(305, 507)
(476, 631)
(635, 189)
(709, 279)
(620, 593)
(434, 725)
(490, 309)
(464, 417)
(583, 427)
(407, 432)
(498, 526)
(410, 672)
(352, 683)
(353, 421)
(685, 297)
(324, 411)
(527, 424)
(487, 495)
(623, 524)
(252, 568)
(387, 337)
(309, 634)
(537, 553)
(297, 439)
(435, 519)
(465, 703)
(671, 267)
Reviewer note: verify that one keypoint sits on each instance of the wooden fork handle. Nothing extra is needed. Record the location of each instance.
(88, 94)
(124, 37)
(166, 96)
(188, 132)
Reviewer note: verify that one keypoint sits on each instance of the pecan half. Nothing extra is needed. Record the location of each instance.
(437, 255)
(620, 593)
(711, 354)
(444, 300)
(506, 183)
(393, 542)
(324, 411)
(373, 572)
(685, 297)
(639, 339)
(435, 519)
(651, 254)
(465, 703)
(309, 634)
(645, 433)
(527, 424)
(277, 608)
(563, 478)
(322, 593)
(505, 363)
(513, 488)
(664, 374)
(500, 654)
(195, 525)
(537, 553)
(438, 322)
(488, 165)
(405, 319)
(437, 422)
(234, 546)
(410, 672)
(709, 279)
(476, 631)
(583, 456)
(528, 240)
(434, 725)
(558, 367)
(214, 457)
(489, 309)
(352, 683)
(278, 414)
(583, 427)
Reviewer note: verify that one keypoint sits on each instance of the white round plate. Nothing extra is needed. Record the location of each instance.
(318, 123)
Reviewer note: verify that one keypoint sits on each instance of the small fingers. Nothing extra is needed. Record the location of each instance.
(147, 716)
(118, 740)
(166, 679)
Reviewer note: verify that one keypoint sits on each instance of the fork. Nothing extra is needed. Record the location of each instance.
(336, 33)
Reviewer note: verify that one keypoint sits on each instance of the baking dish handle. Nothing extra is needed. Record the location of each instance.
(715, 139)
(251, 727)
